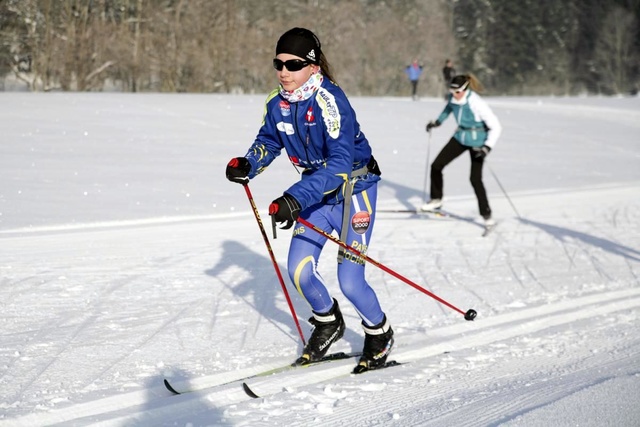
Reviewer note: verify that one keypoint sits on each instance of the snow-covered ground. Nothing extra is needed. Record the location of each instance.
(126, 257)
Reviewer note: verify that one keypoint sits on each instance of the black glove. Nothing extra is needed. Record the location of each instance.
(481, 152)
(238, 170)
(373, 167)
(432, 124)
(285, 210)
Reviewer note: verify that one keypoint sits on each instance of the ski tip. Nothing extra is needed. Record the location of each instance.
(249, 392)
(170, 387)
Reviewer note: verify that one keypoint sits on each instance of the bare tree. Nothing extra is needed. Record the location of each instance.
(615, 57)
(23, 42)
(535, 46)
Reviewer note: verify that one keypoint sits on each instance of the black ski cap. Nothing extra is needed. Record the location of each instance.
(300, 42)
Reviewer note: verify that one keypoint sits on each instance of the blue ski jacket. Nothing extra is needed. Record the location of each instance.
(322, 137)
(413, 71)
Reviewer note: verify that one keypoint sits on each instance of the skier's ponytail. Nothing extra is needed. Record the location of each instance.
(474, 83)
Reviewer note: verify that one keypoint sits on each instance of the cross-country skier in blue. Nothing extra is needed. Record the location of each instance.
(310, 117)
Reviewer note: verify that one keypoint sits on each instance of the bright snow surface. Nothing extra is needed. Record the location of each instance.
(126, 257)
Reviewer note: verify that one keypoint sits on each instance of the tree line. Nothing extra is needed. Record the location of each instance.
(520, 47)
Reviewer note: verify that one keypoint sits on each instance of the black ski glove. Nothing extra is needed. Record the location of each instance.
(432, 124)
(373, 167)
(238, 170)
(285, 210)
(481, 152)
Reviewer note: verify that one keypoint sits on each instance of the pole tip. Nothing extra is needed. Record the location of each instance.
(470, 314)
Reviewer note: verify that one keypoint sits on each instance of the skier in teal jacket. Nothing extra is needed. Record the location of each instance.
(477, 133)
(311, 118)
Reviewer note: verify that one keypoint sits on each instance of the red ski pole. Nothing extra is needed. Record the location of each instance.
(273, 260)
(469, 315)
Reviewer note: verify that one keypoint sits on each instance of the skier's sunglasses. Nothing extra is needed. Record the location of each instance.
(291, 64)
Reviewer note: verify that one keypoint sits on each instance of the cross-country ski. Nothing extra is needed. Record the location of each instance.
(284, 368)
(391, 363)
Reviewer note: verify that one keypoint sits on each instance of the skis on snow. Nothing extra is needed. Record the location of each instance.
(327, 358)
(438, 213)
(247, 389)
(388, 364)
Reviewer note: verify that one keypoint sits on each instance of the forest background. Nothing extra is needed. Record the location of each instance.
(523, 47)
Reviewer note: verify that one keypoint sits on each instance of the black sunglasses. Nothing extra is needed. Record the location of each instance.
(291, 64)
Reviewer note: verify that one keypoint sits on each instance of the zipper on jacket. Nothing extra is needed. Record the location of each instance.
(299, 134)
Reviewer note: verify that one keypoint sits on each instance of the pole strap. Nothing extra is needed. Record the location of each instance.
(348, 192)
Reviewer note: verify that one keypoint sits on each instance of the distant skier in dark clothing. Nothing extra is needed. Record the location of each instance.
(413, 72)
(448, 72)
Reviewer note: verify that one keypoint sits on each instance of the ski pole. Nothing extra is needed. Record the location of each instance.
(504, 191)
(469, 315)
(273, 260)
(426, 171)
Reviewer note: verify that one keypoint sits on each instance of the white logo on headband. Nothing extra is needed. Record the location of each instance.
(312, 55)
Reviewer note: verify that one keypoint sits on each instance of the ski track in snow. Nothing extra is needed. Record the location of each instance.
(550, 371)
(99, 307)
(523, 336)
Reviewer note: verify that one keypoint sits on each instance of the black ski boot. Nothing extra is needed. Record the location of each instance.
(329, 328)
(378, 341)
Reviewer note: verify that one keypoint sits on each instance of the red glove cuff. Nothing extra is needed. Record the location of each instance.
(273, 208)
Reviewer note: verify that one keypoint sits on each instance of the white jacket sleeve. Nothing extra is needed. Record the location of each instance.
(484, 112)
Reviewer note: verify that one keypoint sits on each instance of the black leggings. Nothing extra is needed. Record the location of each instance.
(448, 153)
(414, 87)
